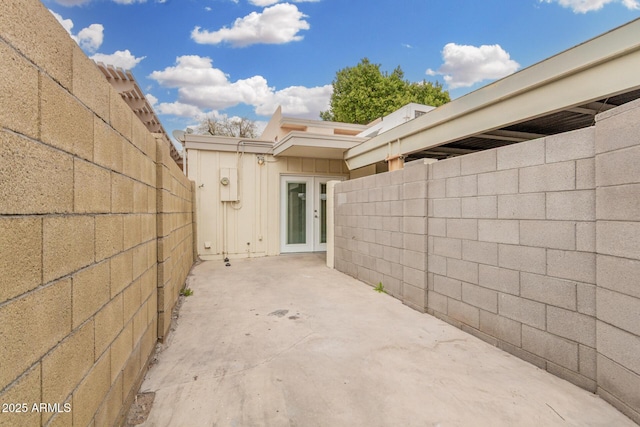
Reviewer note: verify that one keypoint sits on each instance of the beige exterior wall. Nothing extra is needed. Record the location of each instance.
(83, 275)
(255, 219)
(533, 247)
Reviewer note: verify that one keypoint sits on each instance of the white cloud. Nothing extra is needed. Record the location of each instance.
(72, 2)
(152, 99)
(89, 38)
(297, 101)
(120, 58)
(178, 109)
(203, 87)
(275, 25)
(584, 6)
(263, 3)
(466, 65)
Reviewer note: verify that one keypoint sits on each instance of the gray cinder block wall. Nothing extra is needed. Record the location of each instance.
(534, 248)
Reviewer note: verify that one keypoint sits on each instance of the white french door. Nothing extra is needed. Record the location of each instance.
(303, 213)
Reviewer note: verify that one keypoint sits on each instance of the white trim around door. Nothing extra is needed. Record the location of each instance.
(303, 208)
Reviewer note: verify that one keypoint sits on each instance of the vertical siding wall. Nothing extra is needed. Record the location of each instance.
(81, 183)
(532, 247)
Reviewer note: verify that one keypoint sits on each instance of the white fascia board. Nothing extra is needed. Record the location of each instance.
(299, 138)
(223, 143)
(604, 66)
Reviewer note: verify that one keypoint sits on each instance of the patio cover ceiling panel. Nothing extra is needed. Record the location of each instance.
(561, 93)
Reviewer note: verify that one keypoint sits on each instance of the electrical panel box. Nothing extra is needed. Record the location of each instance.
(228, 184)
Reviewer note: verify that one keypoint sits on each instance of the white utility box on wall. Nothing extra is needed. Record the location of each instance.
(228, 185)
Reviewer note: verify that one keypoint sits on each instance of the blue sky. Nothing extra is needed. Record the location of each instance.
(246, 57)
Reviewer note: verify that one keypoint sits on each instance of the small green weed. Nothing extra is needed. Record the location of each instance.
(186, 292)
(380, 288)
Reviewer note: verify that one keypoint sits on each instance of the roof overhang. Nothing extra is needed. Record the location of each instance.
(303, 144)
(126, 85)
(226, 144)
(577, 81)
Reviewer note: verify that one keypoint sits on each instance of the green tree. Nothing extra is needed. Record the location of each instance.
(363, 93)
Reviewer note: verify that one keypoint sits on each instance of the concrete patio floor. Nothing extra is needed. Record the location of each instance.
(285, 341)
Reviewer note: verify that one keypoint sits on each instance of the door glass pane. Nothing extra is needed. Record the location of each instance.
(296, 213)
(323, 213)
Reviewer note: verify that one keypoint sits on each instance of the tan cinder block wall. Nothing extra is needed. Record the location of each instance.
(81, 208)
(532, 247)
(175, 233)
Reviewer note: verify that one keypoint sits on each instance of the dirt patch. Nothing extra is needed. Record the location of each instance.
(140, 409)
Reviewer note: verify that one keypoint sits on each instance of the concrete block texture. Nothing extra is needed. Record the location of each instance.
(88, 84)
(520, 155)
(67, 245)
(548, 234)
(483, 161)
(462, 270)
(551, 347)
(521, 206)
(620, 387)
(621, 202)
(618, 167)
(59, 106)
(34, 178)
(462, 186)
(549, 290)
(479, 207)
(618, 274)
(462, 228)
(571, 325)
(586, 174)
(90, 291)
(465, 313)
(619, 310)
(499, 279)
(26, 389)
(522, 310)
(480, 297)
(480, 252)
(18, 93)
(618, 130)
(91, 188)
(618, 238)
(446, 168)
(67, 364)
(21, 260)
(447, 208)
(620, 346)
(548, 177)
(34, 32)
(46, 314)
(571, 205)
(501, 327)
(523, 258)
(502, 182)
(108, 145)
(580, 266)
(91, 391)
(577, 144)
(499, 231)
